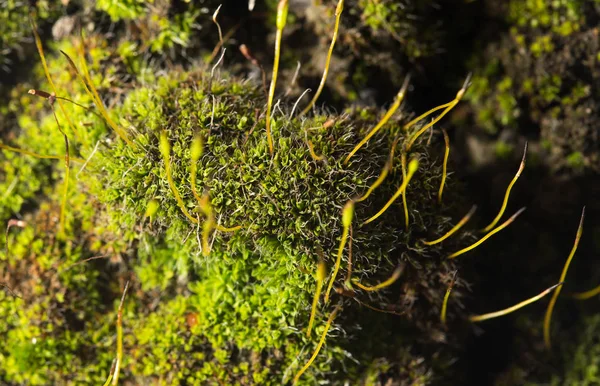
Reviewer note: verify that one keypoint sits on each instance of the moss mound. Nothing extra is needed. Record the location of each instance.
(236, 313)
(257, 281)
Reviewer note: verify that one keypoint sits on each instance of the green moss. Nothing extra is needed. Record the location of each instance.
(541, 45)
(561, 16)
(122, 10)
(550, 88)
(58, 329)
(578, 93)
(15, 31)
(544, 69)
(397, 19)
(253, 291)
(162, 25)
(583, 367)
(503, 150)
(236, 315)
(576, 161)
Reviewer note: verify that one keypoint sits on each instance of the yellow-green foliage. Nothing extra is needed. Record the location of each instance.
(160, 31)
(59, 328)
(560, 16)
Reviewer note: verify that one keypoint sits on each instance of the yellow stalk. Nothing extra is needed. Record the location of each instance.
(446, 297)
(321, 274)
(207, 227)
(225, 229)
(391, 280)
(404, 203)
(491, 315)
(507, 194)
(425, 114)
(63, 205)
(36, 155)
(165, 149)
(338, 15)
(587, 294)
(383, 120)
(319, 345)
(347, 214)
(454, 229)
(563, 275)
(38, 44)
(445, 166)
(412, 168)
(282, 11)
(110, 374)
(496, 230)
(119, 360)
(96, 97)
(311, 150)
(196, 150)
(347, 283)
(214, 18)
(386, 169)
(449, 106)
(74, 68)
(48, 96)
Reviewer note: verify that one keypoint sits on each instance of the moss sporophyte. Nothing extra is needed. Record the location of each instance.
(251, 214)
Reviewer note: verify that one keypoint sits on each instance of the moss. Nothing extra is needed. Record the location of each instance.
(395, 18)
(122, 10)
(582, 357)
(503, 150)
(14, 32)
(563, 16)
(551, 68)
(59, 329)
(256, 282)
(576, 161)
(541, 45)
(238, 313)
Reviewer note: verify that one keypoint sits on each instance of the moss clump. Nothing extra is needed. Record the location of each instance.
(251, 296)
(238, 313)
(542, 75)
